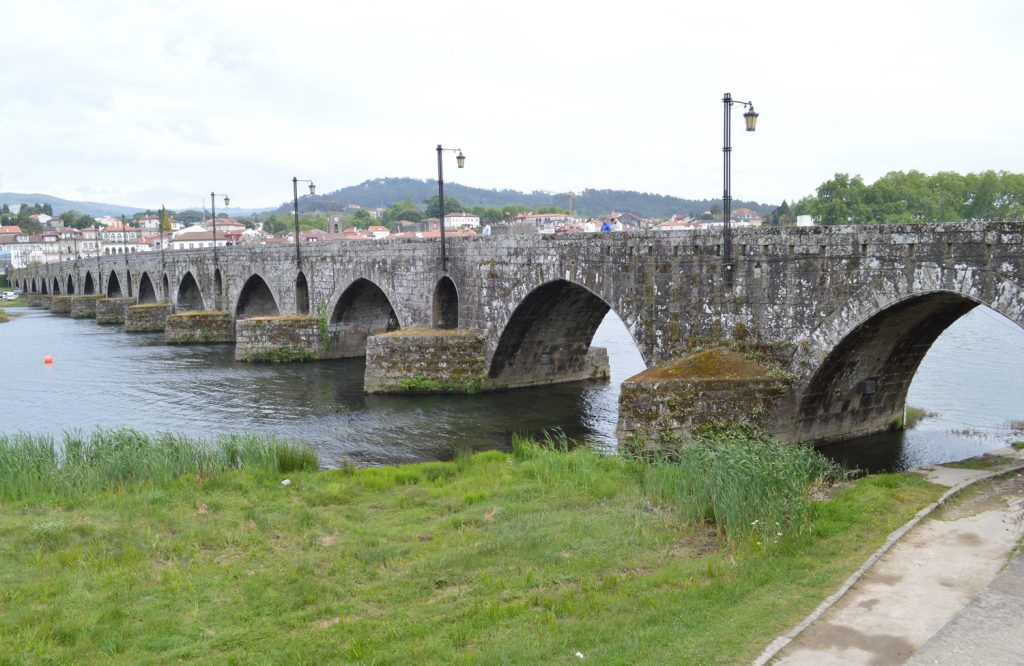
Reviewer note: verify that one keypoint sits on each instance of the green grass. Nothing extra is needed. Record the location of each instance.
(914, 415)
(527, 557)
(744, 485)
(35, 466)
(1018, 445)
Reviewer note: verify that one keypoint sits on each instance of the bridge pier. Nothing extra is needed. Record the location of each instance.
(148, 318)
(111, 310)
(84, 306)
(425, 361)
(199, 327)
(61, 305)
(280, 339)
(665, 406)
(37, 300)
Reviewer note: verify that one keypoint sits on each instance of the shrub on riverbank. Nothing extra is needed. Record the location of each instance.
(112, 459)
(745, 485)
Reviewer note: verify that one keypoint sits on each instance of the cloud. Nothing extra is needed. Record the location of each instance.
(146, 99)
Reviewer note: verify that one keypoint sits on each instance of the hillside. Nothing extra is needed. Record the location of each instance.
(383, 192)
(62, 205)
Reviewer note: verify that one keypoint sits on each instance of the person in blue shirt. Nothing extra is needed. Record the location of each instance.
(606, 227)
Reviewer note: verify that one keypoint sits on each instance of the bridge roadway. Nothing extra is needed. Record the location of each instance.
(849, 311)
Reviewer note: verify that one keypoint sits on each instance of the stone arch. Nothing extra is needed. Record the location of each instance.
(189, 296)
(113, 285)
(128, 280)
(147, 294)
(42, 284)
(56, 286)
(166, 283)
(256, 300)
(856, 368)
(362, 310)
(218, 290)
(301, 294)
(33, 285)
(446, 304)
(547, 338)
(70, 285)
(89, 287)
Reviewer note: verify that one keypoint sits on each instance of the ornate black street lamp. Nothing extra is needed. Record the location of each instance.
(751, 119)
(295, 200)
(461, 160)
(213, 209)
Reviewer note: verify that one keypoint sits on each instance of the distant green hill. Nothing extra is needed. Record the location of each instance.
(383, 192)
(62, 205)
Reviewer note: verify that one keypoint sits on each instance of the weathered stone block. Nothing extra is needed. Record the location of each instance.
(283, 339)
(148, 318)
(37, 300)
(84, 306)
(425, 361)
(111, 310)
(199, 327)
(667, 404)
(61, 305)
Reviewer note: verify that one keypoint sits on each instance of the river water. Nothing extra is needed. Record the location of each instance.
(973, 379)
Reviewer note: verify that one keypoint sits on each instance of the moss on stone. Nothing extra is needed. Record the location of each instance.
(435, 332)
(713, 364)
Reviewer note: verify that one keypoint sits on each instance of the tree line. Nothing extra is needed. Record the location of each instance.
(899, 197)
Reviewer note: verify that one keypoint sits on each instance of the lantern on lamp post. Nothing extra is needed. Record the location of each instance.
(750, 117)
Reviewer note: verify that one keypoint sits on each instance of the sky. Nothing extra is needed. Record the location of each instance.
(148, 103)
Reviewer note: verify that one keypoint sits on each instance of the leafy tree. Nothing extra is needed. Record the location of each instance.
(451, 205)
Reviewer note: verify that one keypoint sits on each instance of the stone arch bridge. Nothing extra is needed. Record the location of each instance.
(846, 313)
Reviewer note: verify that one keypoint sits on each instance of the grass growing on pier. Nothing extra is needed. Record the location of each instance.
(492, 558)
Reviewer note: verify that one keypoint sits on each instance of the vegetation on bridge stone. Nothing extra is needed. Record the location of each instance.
(282, 354)
(522, 558)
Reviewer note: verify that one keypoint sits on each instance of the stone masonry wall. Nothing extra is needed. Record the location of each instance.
(446, 361)
(277, 339)
(111, 310)
(199, 327)
(149, 318)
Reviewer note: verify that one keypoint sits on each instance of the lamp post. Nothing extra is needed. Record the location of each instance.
(751, 119)
(461, 160)
(213, 210)
(295, 201)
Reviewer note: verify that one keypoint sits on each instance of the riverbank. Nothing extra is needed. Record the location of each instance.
(528, 557)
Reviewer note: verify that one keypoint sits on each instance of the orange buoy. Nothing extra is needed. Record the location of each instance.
(48, 360)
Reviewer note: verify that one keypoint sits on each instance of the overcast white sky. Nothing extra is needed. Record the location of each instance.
(147, 103)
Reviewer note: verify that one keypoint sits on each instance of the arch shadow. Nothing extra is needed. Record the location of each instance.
(147, 293)
(446, 304)
(362, 310)
(256, 299)
(113, 285)
(547, 338)
(189, 296)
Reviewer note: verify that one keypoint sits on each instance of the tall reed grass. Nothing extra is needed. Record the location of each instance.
(33, 466)
(748, 486)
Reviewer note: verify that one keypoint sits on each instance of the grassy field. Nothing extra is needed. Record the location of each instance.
(528, 557)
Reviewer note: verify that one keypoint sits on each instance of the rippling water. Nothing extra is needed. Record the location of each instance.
(973, 377)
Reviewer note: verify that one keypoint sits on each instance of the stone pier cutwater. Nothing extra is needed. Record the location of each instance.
(849, 311)
(199, 327)
(111, 310)
(84, 306)
(148, 318)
